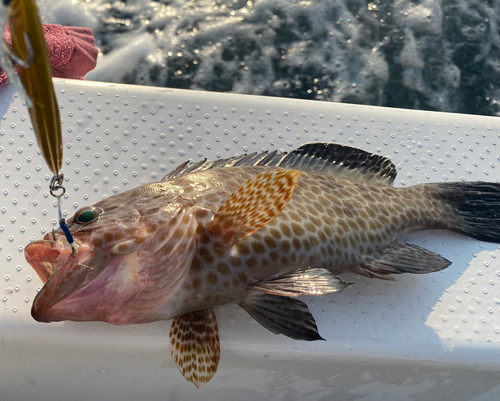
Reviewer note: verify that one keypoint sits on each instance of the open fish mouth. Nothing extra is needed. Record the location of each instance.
(48, 268)
(76, 285)
(61, 271)
(43, 257)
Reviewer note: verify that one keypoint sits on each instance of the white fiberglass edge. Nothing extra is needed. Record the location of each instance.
(421, 338)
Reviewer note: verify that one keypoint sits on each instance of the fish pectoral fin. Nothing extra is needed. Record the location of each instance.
(194, 338)
(282, 315)
(253, 205)
(398, 258)
(310, 281)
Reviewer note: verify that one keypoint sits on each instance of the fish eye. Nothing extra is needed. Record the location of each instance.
(85, 216)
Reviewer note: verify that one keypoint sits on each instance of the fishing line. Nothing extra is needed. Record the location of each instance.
(57, 190)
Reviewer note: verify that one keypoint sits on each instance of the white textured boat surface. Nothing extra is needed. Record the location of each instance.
(431, 337)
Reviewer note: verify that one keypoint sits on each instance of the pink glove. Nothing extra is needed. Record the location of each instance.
(72, 51)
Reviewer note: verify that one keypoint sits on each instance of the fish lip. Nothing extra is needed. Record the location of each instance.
(43, 255)
(42, 316)
(47, 255)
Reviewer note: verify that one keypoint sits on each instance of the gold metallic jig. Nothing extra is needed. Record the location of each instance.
(30, 53)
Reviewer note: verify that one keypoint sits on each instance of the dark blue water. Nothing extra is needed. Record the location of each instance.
(438, 55)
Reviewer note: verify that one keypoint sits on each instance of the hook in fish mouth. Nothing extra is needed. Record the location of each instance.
(74, 283)
(54, 262)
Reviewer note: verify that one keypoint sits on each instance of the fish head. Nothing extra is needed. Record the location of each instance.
(122, 244)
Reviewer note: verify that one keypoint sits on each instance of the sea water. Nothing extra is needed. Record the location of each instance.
(439, 55)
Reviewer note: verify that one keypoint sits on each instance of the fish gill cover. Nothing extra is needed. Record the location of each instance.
(438, 55)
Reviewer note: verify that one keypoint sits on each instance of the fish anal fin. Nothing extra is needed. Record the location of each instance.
(310, 281)
(365, 271)
(282, 315)
(398, 258)
(194, 338)
(253, 205)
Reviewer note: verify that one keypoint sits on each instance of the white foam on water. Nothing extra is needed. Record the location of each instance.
(68, 13)
(423, 18)
(426, 54)
(122, 61)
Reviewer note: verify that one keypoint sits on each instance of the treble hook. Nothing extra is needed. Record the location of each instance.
(29, 52)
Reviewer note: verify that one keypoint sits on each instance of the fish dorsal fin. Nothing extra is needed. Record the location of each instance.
(345, 161)
(282, 315)
(310, 281)
(253, 205)
(194, 338)
(186, 168)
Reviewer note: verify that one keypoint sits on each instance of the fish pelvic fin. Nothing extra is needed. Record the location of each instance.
(194, 338)
(310, 281)
(398, 258)
(282, 315)
(253, 205)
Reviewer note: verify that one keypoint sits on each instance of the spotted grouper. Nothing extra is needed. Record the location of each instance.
(258, 230)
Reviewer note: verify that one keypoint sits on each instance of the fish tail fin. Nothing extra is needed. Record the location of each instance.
(472, 208)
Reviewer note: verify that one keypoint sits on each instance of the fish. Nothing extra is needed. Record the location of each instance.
(258, 230)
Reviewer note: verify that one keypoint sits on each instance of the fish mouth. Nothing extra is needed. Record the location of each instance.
(62, 272)
(42, 256)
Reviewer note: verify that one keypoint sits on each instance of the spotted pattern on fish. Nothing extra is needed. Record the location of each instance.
(194, 340)
(254, 204)
(329, 222)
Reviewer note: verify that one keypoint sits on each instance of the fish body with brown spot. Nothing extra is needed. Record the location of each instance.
(258, 230)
